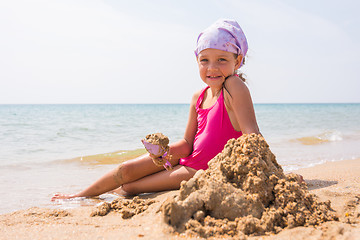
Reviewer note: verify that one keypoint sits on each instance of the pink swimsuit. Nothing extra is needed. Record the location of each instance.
(214, 130)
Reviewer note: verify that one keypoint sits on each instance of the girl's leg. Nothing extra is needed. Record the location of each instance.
(126, 172)
(160, 181)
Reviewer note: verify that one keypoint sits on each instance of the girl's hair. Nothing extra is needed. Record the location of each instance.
(238, 72)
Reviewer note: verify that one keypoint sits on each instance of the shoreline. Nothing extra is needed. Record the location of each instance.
(337, 181)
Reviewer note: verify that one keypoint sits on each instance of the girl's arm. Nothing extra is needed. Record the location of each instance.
(240, 106)
(184, 147)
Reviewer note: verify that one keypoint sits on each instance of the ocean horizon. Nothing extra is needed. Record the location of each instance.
(48, 148)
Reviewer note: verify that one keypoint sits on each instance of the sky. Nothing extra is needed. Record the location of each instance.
(140, 51)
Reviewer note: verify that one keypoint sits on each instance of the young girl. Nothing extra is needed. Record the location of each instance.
(219, 112)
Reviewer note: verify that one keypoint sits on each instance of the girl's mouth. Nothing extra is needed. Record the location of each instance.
(213, 77)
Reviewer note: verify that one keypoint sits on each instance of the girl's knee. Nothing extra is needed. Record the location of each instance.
(123, 173)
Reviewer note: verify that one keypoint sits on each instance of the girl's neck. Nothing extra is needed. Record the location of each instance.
(210, 98)
(214, 92)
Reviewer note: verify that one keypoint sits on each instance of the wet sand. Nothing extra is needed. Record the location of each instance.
(338, 182)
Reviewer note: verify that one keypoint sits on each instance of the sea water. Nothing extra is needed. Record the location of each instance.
(63, 148)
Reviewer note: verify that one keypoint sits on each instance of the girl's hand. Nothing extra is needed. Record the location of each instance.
(162, 161)
(235, 74)
(158, 161)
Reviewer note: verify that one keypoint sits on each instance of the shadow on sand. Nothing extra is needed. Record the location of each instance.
(317, 184)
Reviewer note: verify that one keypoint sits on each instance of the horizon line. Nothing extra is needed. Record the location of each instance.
(171, 103)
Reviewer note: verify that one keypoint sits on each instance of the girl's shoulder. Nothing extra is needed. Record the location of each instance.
(236, 91)
(197, 93)
(196, 96)
(235, 82)
(234, 86)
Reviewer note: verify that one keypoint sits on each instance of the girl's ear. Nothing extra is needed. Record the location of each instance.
(239, 59)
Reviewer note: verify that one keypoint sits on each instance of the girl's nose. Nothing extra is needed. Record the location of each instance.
(212, 66)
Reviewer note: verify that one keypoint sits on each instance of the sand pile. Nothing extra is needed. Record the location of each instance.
(244, 192)
(126, 207)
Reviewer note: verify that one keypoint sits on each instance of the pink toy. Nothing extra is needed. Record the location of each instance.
(160, 153)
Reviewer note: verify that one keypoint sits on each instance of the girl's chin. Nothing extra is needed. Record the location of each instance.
(219, 80)
(214, 83)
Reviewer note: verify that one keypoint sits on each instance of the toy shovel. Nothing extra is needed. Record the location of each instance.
(159, 152)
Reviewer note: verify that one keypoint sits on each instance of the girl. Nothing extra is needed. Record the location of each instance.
(219, 112)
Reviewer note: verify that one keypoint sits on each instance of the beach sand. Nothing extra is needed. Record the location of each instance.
(338, 182)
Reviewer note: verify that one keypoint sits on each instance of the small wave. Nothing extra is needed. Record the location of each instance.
(329, 136)
(108, 158)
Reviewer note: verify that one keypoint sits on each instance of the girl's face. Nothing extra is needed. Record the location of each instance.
(215, 65)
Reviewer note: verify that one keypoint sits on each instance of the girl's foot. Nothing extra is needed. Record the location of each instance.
(120, 192)
(57, 196)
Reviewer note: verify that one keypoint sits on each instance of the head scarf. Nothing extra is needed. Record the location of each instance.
(224, 34)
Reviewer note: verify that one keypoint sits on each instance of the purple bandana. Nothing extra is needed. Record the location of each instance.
(224, 34)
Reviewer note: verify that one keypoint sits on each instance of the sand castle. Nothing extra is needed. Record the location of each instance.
(243, 192)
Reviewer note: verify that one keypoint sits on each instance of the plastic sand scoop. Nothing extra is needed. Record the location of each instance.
(162, 157)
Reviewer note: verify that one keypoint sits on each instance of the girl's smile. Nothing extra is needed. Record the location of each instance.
(214, 77)
(215, 65)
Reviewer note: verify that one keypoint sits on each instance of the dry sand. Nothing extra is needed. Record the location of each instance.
(338, 182)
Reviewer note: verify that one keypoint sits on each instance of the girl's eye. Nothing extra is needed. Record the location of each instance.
(203, 60)
(222, 60)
